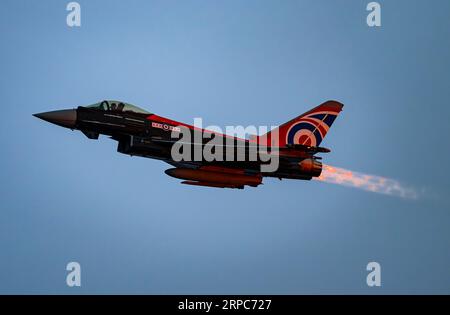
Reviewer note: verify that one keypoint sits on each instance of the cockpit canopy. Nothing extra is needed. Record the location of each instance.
(118, 106)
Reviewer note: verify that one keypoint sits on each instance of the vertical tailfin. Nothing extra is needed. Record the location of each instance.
(307, 129)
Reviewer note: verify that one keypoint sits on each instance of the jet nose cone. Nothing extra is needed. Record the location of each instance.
(64, 118)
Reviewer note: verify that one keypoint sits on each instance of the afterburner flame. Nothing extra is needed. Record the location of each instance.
(372, 183)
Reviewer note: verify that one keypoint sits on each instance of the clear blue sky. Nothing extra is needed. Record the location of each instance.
(135, 230)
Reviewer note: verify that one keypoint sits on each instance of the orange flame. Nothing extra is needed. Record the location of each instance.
(372, 183)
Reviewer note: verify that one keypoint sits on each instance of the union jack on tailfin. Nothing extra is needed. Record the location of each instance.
(308, 129)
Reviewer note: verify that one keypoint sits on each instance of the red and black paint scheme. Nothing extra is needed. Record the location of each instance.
(141, 133)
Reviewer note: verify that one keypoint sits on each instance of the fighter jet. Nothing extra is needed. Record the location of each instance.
(294, 144)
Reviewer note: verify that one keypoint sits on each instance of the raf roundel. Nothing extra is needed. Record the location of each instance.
(310, 129)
